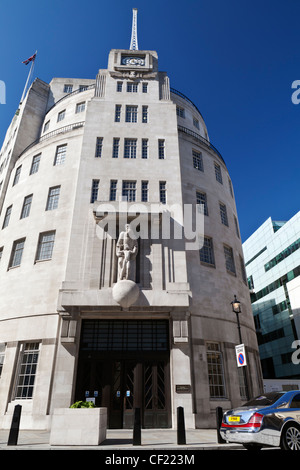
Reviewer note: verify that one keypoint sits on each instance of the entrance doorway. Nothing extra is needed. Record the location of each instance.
(122, 379)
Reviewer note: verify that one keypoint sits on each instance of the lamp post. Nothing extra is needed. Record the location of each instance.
(236, 308)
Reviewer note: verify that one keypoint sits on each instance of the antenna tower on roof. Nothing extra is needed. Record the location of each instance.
(134, 41)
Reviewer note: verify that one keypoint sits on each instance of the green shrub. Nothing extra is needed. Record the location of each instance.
(83, 404)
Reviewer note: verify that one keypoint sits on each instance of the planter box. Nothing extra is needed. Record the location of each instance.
(78, 426)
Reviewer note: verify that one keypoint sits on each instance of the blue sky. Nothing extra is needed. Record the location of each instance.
(235, 59)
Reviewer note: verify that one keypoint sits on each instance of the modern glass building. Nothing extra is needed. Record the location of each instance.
(272, 258)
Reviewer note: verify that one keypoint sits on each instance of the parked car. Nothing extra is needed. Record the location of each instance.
(269, 420)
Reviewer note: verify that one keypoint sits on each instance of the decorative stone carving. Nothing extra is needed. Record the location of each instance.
(126, 251)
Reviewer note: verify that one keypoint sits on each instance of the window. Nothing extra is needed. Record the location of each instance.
(1, 252)
(215, 371)
(27, 370)
(99, 145)
(180, 111)
(162, 192)
(131, 114)
(61, 115)
(243, 270)
(144, 148)
(60, 155)
(116, 146)
(196, 123)
(197, 160)
(45, 246)
(68, 88)
(7, 217)
(35, 164)
(144, 191)
(53, 197)
(145, 87)
(218, 173)
(82, 88)
(113, 190)
(207, 252)
(118, 113)
(202, 201)
(17, 252)
(161, 149)
(119, 86)
(236, 226)
(2, 355)
(17, 175)
(94, 190)
(80, 107)
(130, 148)
(229, 260)
(132, 87)
(145, 114)
(46, 126)
(128, 191)
(230, 187)
(223, 213)
(26, 206)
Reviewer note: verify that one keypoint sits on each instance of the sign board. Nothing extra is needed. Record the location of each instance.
(240, 355)
(183, 388)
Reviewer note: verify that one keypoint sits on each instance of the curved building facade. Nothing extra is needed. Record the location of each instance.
(85, 311)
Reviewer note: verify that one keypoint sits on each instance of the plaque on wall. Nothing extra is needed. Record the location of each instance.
(183, 388)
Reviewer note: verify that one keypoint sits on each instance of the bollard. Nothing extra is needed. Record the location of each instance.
(15, 425)
(137, 427)
(180, 426)
(219, 417)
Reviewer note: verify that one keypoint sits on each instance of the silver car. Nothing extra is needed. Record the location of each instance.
(269, 420)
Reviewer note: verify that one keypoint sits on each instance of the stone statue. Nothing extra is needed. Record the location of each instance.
(126, 251)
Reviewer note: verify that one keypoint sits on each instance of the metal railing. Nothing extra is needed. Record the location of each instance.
(61, 130)
(201, 139)
(176, 92)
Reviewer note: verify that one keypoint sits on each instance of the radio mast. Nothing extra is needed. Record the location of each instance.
(134, 41)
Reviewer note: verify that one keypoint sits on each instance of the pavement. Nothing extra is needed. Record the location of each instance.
(122, 439)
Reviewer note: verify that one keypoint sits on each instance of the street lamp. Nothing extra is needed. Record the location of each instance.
(236, 308)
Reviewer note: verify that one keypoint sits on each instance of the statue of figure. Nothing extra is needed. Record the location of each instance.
(126, 251)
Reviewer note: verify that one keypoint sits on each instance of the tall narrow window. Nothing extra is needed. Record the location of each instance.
(46, 126)
(162, 192)
(129, 191)
(215, 371)
(180, 111)
(60, 155)
(17, 252)
(236, 226)
(131, 114)
(202, 202)
(61, 115)
(113, 190)
(144, 191)
(26, 206)
(161, 149)
(1, 252)
(94, 190)
(197, 160)
(7, 217)
(218, 173)
(118, 113)
(27, 370)
(45, 246)
(80, 107)
(144, 148)
(145, 87)
(130, 148)
(2, 356)
(223, 214)
(207, 252)
(35, 164)
(229, 260)
(116, 146)
(243, 270)
(145, 114)
(17, 175)
(53, 197)
(99, 145)
(119, 86)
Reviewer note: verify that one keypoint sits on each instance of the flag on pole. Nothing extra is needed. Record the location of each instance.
(26, 62)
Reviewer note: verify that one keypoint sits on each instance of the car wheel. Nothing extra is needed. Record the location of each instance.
(290, 439)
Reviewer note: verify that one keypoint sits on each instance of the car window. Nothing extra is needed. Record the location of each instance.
(266, 399)
(295, 401)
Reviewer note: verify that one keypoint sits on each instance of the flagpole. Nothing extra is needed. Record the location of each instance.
(28, 78)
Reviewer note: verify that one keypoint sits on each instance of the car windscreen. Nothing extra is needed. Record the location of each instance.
(265, 399)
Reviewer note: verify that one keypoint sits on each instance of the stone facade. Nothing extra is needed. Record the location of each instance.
(58, 265)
